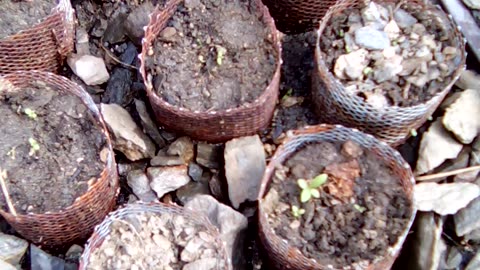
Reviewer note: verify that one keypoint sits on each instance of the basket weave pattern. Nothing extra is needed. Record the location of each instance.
(213, 126)
(78, 220)
(279, 251)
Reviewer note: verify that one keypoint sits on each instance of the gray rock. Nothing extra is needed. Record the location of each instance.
(81, 42)
(244, 168)
(453, 258)
(351, 65)
(195, 171)
(388, 68)
(192, 3)
(474, 264)
(74, 252)
(44, 261)
(12, 248)
(460, 117)
(127, 137)
(115, 31)
(473, 4)
(202, 264)
(469, 79)
(208, 155)
(182, 147)
(167, 179)
(436, 146)
(90, 69)
(467, 219)
(138, 181)
(148, 125)
(374, 14)
(371, 38)
(472, 236)
(404, 19)
(231, 224)
(215, 185)
(161, 159)
(190, 190)
(136, 20)
(6, 266)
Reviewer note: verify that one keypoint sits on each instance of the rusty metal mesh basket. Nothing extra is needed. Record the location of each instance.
(334, 105)
(213, 126)
(42, 46)
(77, 220)
(297, 16)
(284, 256)
(103, 230)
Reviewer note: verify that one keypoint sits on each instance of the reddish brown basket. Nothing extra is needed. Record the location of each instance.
(334, 105)
(284, 256)
(78, 220)
(42, 46)
(103, 230)
(213, 126)
(297, 16)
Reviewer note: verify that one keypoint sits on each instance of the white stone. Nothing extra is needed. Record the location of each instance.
(138, 181)
(462, 118)
(467, 220)
(473, 4)
(6, 266)
(404, 19)
(90, 69)
(469, 79)
(351, 65)
(167, 179)
(372, 39)
(444, 199)
(392, 30)
(436, 146)
(127, 137)
(12, 248)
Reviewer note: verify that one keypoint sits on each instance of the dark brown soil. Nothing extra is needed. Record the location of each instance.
(52, 177)
(334, 45)
(186, 67)
(19, 15)
(334, 228)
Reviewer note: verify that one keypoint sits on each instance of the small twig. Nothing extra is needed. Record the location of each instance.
(114, 58)
(3, 177)
(446, 174)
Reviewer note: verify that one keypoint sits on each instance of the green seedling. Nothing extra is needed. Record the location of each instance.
(413, 132)
(310, 189)
(289, 93)
(221, 51)
(348, 49)
(430, 118)
(34, 146)
(367, 71)
(359, 208)
(341, 33)
(30, 113)
(297, 211)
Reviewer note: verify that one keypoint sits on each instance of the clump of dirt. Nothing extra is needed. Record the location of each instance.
(162, 241)
(360, 211)
(20, 15)
(49, 147)
(213, 55)
(391, 55)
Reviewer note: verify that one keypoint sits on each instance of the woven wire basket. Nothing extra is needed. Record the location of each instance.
(42, 46)
(297, 16)
(103, 230)
(284, 256)
(334, 105)
(212, 126)
(76, 221)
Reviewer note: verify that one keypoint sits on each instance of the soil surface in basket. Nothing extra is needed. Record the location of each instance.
(164, 242)
(49, 148)
(390, 55)
(20, 15)
(213, 55)
(361, 210)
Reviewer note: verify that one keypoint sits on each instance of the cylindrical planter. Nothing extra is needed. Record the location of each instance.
(42, 46)
(212, 125)
(74, 222)
(292, 16)
(349, 208)
(148, 223)
(335, 103)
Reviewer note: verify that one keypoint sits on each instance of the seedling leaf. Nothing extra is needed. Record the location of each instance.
(318, 180)
(315, 193)
(302, 183)
(359, 208)
(305, 196)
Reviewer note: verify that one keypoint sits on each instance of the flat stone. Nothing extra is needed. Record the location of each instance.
(6, 266)
(372, 39)
(90, 69)
(208, 155)
(473, 4)
(148, 125)
(459, 119)
(244, 167)
(388, 68)
(167, 179)
(115, 31)
(453, 259)
(42, 260)
(474, 263)
(231, 224)
(374, 14)
(392, 30)
(436, 146)
(195, 171)
(161, 159)
(12, 248)
(444, 199)
(182, 147)
(127, 137)
(138, 181)
(467, 219)
(136, 20)
(190, 190)
(404, 19)
(469, 79)
(351, 65)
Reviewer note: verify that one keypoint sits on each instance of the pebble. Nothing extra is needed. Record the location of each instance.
(370, 38)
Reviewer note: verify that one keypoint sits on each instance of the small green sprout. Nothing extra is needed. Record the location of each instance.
(221, 51)
(348, 49)
(289, 93)
(341, 33)
(367, 71)
(430, 118)
(394, 43)
(359, 208)
(310, 189)
(34, 146)
(413, 132)
(30, 113)
(297, 212)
